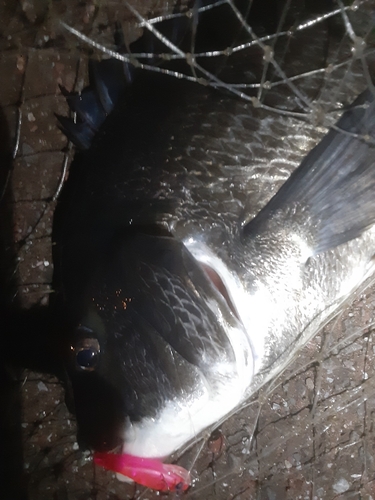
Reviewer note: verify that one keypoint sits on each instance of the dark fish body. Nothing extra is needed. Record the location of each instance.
(186, 275)
(123, 227)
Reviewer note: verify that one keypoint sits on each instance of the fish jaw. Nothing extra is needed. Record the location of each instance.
(148, 472)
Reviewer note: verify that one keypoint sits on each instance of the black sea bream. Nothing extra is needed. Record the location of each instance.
(186, 277)
(178, 302)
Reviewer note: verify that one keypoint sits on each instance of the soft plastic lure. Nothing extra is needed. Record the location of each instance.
(146, 471)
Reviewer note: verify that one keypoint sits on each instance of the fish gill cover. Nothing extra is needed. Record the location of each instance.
(307, 434)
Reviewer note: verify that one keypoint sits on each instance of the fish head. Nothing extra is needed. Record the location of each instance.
(158, 354)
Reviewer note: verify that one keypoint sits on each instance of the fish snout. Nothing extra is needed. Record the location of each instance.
(99, 414)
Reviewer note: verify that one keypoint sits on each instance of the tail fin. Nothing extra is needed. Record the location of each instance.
(334, 187)
(107, 83)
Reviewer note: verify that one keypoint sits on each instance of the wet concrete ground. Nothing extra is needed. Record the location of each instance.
(310, 436)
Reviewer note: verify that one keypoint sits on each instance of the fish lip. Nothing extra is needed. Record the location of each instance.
(100, 428)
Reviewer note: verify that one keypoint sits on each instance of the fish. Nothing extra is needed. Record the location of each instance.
(181, 297)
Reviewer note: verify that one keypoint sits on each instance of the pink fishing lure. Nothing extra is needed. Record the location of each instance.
(146, 471)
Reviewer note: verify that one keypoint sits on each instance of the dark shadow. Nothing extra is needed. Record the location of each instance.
(13, 482)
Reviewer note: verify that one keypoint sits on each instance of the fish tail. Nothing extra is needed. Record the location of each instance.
(332, 192)
(108, 80)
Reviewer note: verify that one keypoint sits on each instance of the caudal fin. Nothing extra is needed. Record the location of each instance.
(107, 84)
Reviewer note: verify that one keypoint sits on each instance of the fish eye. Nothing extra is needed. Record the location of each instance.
(87, 354)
